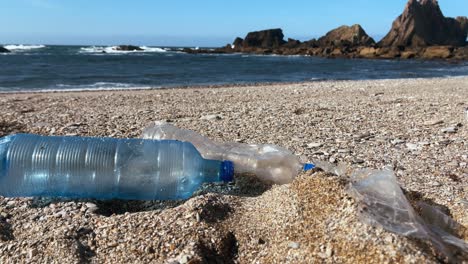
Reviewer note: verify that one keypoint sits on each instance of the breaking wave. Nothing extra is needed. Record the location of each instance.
(113, 50)
(23, 47)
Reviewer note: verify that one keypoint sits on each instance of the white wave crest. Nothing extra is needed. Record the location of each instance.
(97, 85)
(153, 49)
(23, 47)
(113, 50)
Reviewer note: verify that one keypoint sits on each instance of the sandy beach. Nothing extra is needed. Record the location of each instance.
(417, 126)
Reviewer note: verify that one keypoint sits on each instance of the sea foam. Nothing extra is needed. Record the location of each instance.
(113, 50)
(98, 86)
(23, 47)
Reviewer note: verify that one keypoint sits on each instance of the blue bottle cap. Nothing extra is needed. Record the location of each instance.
(308, 166)
(227, 171)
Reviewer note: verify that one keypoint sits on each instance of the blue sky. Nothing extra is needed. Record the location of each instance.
(190, 23)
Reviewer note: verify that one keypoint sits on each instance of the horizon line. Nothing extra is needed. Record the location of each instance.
(153, 42)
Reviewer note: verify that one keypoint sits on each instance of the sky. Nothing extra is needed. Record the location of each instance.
(205, 23)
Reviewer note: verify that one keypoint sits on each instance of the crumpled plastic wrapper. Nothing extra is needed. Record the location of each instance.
(383, 203)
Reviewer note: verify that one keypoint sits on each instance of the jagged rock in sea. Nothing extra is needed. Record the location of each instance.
(128, 48)
(292, 43)
(4, 50)
(310, 43)
(423, 24)
(265, 39)
(237, 44)
(346, 36)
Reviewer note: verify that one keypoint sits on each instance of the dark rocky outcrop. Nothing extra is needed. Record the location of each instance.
(352, 36)
(310, 43)
(423, 24)
(265, 39)
(292, 43)
(463, 22)
(128, 48)
(237, 43)
(421, 32)
(3, 50)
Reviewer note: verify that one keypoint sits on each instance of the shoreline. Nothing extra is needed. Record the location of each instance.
(214, 86)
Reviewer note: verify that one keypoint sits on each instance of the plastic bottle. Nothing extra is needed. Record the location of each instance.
(104, 168)
(270, 163)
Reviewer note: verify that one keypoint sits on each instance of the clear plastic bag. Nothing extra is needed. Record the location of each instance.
(269, 163)
(383, 203)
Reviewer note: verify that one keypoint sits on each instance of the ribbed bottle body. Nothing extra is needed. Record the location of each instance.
(102, 168)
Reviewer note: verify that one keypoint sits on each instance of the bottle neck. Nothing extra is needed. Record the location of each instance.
(217, 171)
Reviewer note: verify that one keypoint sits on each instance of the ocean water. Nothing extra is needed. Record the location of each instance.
(40, 67)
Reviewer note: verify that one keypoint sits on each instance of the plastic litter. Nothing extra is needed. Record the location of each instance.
(270, 163)
(383, 203)
(104, 168)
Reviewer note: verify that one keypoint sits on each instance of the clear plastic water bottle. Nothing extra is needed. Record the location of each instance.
(104, 168)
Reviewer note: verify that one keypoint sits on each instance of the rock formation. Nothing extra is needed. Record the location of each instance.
(346, 36)
(292, 43)
(421, 31)
(461, 53)
(437, 52)
(128, 48)
(3, 50)
(463, 21)
(266, 39)
(237, 43)
(423, 24)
